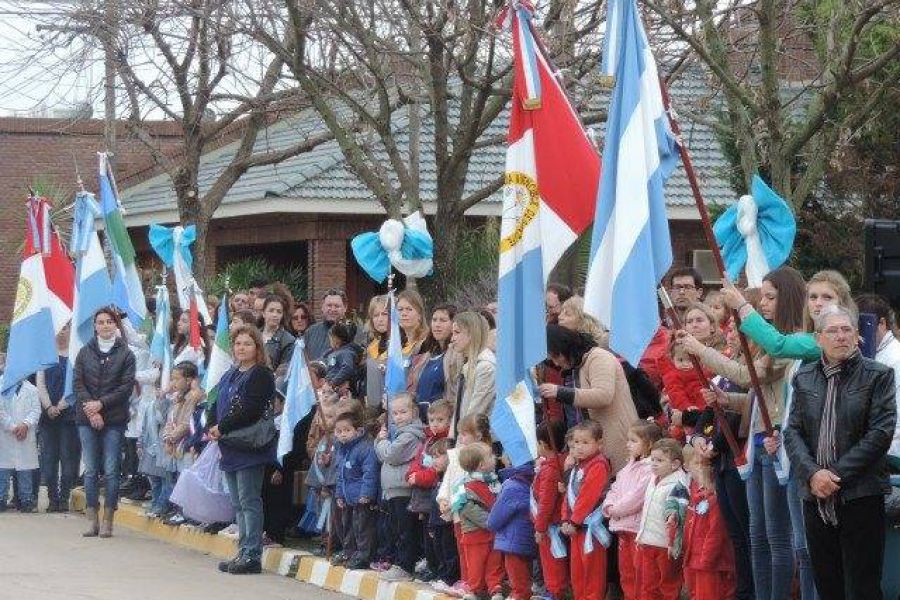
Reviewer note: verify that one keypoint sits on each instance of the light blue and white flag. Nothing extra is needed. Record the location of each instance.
(299, 400)
(220, 357)
(173, 246)
(395, 372)
(31, 346)
(93, 289)
(127, 289)
(160, 346)
(631, 249)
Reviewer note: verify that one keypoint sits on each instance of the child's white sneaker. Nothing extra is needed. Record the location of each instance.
(498, 596)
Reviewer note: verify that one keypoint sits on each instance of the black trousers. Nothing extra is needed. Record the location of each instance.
(847, 560)
(443, 543)
(732, 494)
(359, 531)
(406, 532)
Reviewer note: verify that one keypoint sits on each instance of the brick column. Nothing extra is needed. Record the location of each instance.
(327, 269)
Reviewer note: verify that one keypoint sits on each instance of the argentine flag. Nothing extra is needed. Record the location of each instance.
(160, 347)
(128, 291)
(395, 373)
(299, 401)
(550, 184)
(631, 249)
(220, 356)
(31, 346)
(92, 286)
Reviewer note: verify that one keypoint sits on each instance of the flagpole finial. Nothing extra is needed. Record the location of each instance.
(390, 282)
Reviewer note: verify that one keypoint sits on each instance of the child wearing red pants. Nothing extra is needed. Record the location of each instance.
(625, 501)
(708, 555)
(546, 506)
(473, 499)
(586, 487)
(513, 531)
(659, 568)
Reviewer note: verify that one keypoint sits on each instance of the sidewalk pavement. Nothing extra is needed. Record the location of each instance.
(287, 562)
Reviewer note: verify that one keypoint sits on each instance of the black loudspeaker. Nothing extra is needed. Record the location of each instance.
(882, 258)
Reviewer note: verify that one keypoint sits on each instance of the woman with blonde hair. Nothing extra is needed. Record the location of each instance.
(475, 391)
(411, 309)
(572, 316)
(377, 325)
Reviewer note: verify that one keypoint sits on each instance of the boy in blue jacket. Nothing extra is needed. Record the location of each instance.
(357, 488)
(510, 520)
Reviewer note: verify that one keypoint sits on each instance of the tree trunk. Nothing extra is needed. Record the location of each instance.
(446, 231)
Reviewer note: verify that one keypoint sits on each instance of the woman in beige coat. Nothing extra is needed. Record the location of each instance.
(600, 388)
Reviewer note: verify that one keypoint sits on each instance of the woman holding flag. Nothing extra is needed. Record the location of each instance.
(104, 382)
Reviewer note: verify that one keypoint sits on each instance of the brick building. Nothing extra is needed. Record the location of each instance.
(44, 152)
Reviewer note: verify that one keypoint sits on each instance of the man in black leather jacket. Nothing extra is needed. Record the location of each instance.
(838, 433)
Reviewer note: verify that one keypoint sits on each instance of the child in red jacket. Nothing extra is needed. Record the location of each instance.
(708, 555)
(423, 478)
(586, 487)
(546, 505)
(684, 390)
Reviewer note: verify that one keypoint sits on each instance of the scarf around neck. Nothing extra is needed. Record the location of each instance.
(826, 451)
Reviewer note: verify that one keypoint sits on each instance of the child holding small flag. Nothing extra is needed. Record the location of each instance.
(586, 487)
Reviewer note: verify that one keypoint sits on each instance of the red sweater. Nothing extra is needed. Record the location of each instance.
(655, 353)
(683, 387)
(545, 492)
(589, 479)
(707, 546)
(426, 477)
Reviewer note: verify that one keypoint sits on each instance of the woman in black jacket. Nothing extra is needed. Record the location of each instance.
(245, 392)
(279, 343)
(103, 384)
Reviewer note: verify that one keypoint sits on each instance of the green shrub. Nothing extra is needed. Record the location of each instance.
(4, 336)
(240, 274)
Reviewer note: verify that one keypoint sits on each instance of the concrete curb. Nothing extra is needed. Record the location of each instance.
(286, 562)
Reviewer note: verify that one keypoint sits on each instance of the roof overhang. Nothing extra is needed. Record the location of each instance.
(285, 205)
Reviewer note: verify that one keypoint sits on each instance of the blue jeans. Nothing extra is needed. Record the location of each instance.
(101, 448)
(770, 531)
(160, 490)
(245, 488)
(60, 459)
(24, 480)
(801, 553)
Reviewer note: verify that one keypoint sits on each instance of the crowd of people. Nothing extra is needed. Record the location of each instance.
(637, 487)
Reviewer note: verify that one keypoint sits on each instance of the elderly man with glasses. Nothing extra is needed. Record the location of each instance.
(838, 434)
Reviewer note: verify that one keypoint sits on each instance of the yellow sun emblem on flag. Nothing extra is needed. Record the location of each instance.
(527, 203)
(24, 292)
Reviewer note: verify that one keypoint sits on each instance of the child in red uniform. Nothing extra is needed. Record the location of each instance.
(546, 505)
(472, 501)
(625, 501)
(586, 487)
(708, 556)
(659, 572)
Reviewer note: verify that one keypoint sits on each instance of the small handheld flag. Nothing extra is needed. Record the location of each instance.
(299, 399)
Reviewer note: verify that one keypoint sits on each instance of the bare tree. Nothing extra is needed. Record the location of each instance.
(789, 126)
(446, 60)
(187, 61)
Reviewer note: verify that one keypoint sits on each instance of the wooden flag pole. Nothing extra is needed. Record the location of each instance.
(717, 254)
(717, 408)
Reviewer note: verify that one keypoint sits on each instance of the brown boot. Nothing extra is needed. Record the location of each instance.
(106, 527)
(94, 522)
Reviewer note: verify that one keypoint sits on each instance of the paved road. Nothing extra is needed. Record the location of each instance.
(44, 557)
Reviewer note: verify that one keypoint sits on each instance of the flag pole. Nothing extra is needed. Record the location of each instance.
(717, 254)
(704, 380)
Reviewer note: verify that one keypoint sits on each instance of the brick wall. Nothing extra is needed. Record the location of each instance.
(41, 150)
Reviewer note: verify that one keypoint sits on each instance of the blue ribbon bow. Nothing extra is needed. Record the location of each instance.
(162, 239)
(771, 234)
(407, 246)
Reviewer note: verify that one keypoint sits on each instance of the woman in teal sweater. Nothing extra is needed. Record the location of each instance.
(823, 289)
